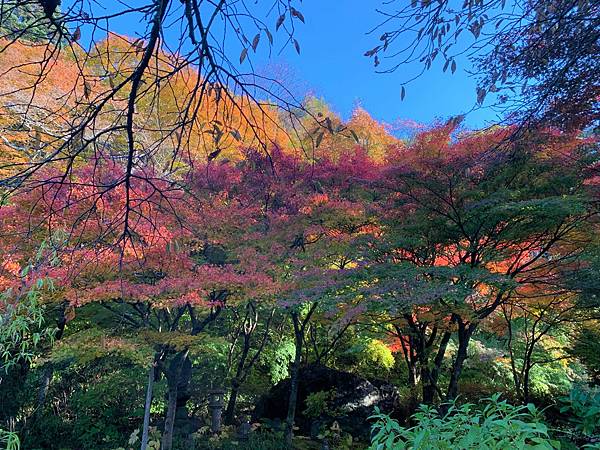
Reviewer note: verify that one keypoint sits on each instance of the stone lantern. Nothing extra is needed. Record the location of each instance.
(215, 406)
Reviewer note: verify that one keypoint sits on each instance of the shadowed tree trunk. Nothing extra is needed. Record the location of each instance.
(409, 352)
(47, 373)
(429, 376)
(465, 331)
(147, 406)
(183, 424)
(299, 332)
(244, 365)
(293, 399)
(418, 344)
(49, 369)
(231, 403)
(173, 375)
(179, 376)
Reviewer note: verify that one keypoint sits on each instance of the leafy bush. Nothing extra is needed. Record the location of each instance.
(277, 359)
(22, 323)
(316, 403)
(263, 440)
(370, 358)
(102, 410)
(583, 408)
(9, 440)
(587, 349)
(379, 354)
(498, 425)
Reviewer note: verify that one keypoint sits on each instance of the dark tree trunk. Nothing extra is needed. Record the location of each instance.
(464, 336)
(429, 386)
(183, 426)
(245, 363)
(291, 415)
(177, 377)
(526, 383)
(49, 369)
(46, 377)
(526, 373)
(147, 405)
(528, 363)
(44, 387)
(413, 376)
(167, 437)
(231, 403)
(408, 352)
(235, 383)
(430, 375)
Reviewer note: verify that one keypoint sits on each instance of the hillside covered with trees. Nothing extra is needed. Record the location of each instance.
(194, 255)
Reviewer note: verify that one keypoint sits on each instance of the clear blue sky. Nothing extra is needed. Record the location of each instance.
(333, 42)
(332, 66)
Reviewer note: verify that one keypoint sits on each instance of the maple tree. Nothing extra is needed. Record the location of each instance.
(153, 277)
(171, 224)
(160, 96)
(236, 233)
(433, 240)
(467, 230)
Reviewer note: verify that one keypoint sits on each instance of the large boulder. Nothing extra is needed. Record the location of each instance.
(352, 400)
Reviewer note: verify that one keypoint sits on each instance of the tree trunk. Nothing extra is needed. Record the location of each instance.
(179, 377)
(464, 336)
(513, 365)
(231, 403)
(527, 366)
(174, 381)
(413, 376)
(429, 376)
(167, 437)
(409, 357)
(428, 387)
(183, 426)
(44, 387)
(291, 415)
(147, 405)
(526, 384)
(235, 383)
(46, 378)
(49, 369)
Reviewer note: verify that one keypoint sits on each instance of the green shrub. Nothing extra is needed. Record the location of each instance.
(370, 358)
(583, 409)
(587, 349)
(277, 359)
(379, 354)
(9, 440)
(317, 404)
(263, 440)
(498, 425)
(22, 329)
(104, 405)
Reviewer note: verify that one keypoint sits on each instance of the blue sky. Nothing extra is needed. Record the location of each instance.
(333, 42)
(332, 66)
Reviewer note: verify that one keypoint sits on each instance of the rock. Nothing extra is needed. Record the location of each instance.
(353, 400)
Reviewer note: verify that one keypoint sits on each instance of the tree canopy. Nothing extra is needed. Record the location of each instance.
(184, 241)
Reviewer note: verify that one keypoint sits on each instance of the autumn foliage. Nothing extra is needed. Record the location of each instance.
(330, 226)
